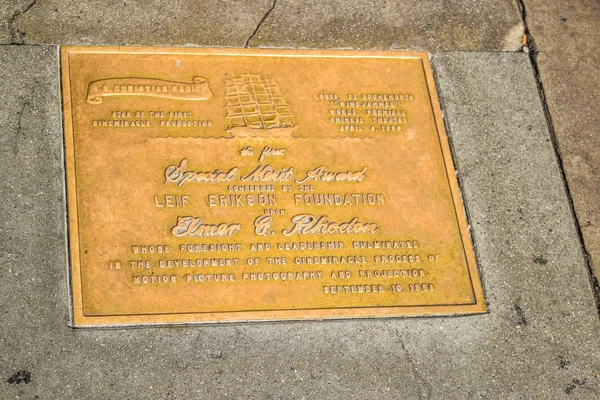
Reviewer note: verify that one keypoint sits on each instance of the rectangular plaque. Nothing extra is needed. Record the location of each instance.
(209, 185)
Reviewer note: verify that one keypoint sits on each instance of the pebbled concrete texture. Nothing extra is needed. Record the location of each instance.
(128, 22)
(539, 339)
(403, 25)
(366, 24)
(566, 36)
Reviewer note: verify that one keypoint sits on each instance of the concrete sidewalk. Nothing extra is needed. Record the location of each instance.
(564, 41)
(359, 24)
(540, 338)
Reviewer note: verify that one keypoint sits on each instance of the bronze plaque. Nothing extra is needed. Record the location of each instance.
(209, 185)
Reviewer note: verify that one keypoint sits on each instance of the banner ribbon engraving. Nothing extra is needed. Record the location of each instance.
(198, 89)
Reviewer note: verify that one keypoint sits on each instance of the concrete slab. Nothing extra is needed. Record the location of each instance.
(566, 36)
(539, 340)
(179, 22)
(404, 24)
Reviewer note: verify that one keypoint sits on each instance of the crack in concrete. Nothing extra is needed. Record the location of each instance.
(533, 52)
(247, 43)
(416, 373)
(19, 128)
(16, 36)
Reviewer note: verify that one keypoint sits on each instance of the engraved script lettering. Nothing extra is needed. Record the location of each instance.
(266, 173)
(320, 174)
(194, 226)
(177, 174)
(270, 152)
(306, 224)
(263, 225)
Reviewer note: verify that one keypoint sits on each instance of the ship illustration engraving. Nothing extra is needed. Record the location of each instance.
(256, 106)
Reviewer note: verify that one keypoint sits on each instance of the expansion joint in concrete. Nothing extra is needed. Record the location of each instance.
(16, 36)
(247, 43)
(531, 49)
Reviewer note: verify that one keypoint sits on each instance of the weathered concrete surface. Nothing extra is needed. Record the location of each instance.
(539, 340)
(177, 22)
(405, 24)
(402, 24)
(525, 237)
(566, 35)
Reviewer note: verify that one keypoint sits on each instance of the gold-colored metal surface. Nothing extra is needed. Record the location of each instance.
(210, 185)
